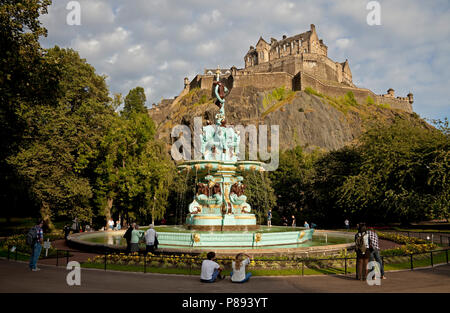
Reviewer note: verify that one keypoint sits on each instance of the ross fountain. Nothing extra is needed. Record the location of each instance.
(219, 216)
(220, 204)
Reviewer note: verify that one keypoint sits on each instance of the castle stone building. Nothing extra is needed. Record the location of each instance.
(300, 53)
(296, 62)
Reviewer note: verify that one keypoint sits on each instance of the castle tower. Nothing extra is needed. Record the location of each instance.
(410, 97)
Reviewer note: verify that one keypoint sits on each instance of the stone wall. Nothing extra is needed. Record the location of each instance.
(394, 103)
(264, 80)
(360, 94)
(305, 78)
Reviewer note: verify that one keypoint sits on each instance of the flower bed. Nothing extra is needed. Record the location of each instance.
(19, 241)
(410, 245)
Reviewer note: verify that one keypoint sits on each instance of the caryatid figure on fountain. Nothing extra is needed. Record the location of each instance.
(237, 197)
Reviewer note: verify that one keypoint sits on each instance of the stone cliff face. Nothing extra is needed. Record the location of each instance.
(303, 118)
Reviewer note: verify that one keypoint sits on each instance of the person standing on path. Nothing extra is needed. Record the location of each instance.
(136, 236)
(347, 224)
(127, 237)
(362, 252)
(150, 237)
(293, 221)
(66, 231)
(269, 218)
(37, 235)
(375, 251)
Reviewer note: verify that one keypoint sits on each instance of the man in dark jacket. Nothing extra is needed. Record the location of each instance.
(127, 237)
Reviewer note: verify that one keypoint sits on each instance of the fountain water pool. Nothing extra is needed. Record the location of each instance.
(179, 239)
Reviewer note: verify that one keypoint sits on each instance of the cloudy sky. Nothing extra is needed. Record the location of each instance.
(156, 43)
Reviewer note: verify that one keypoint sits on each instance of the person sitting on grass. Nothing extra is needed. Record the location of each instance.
(238, 274)
(210, 269)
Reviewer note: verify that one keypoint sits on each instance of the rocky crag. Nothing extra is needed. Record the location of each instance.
(306, 118)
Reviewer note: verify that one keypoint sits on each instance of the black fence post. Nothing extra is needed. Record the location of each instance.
(412, 267)
(145, 263)
(440, 239)
(67, 257)
(57, 257)
(105, 260)
(303, 268)
(15, 254)
(446, 255)
(431, 258)
(345, 265)
(8, 251)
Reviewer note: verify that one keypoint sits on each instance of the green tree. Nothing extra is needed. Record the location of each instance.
(290, 180)
(27, 79)
(135, 102)
(134, 170)
(60, 140)
(259, 192)
(402, 174)
(330, 172)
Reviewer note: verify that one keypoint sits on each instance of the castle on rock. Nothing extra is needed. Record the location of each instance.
(295, 62)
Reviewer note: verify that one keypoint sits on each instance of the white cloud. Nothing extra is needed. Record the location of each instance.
(157, 43)
(208, 48)
(343, 43)
(163, 66)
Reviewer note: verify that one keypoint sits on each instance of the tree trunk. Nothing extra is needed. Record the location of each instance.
(46, 216)
(108, 207)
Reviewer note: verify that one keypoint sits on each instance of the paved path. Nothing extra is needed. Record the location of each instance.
(15, 277)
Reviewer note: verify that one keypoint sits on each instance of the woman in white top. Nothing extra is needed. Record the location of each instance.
(238, 274)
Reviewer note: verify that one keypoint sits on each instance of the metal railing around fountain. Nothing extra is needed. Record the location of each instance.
(287, 265)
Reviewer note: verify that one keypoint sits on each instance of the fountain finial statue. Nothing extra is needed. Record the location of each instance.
(220, 91)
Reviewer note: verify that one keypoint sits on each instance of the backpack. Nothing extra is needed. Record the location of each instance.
(31, 236)
(360, 246)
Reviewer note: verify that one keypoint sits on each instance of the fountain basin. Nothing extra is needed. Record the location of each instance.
(277, 240)
(202, 166)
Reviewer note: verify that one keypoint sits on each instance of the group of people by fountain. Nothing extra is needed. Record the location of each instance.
(211, 270)
(134, 235)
